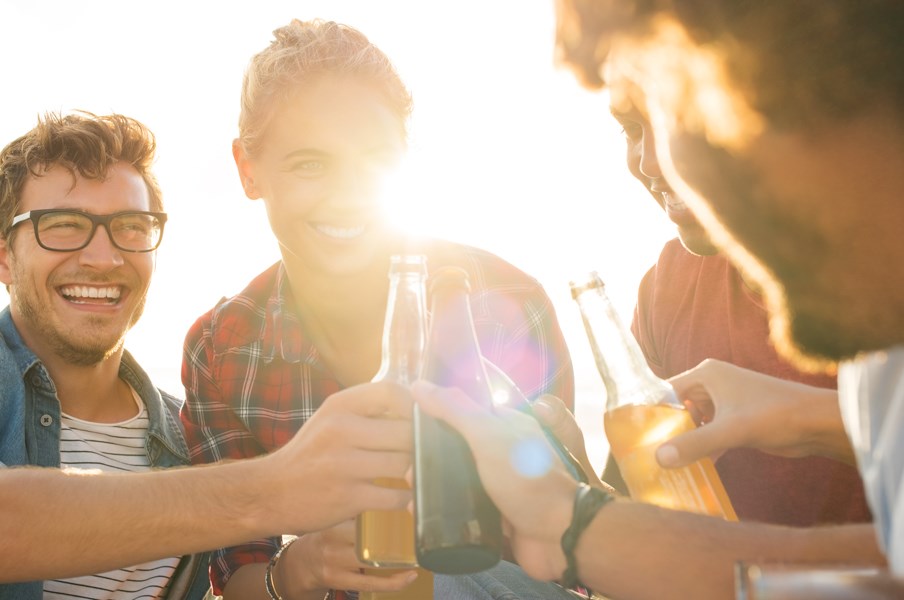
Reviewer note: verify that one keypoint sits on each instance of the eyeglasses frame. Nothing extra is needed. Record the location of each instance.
(96, 220)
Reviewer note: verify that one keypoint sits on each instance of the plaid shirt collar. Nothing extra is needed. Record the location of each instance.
(282, 332)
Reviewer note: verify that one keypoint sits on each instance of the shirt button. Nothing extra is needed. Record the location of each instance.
(46, 420)
(36, 381)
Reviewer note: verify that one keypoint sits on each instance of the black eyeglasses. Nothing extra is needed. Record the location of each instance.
(63, 230)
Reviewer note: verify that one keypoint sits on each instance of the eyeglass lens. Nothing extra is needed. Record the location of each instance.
(72, 230)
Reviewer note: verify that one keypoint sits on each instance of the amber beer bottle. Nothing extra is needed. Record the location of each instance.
(642, 411)
(385, 538)
(457, 527)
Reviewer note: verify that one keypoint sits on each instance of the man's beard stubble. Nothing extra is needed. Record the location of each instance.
(88, 353)
(766, 246)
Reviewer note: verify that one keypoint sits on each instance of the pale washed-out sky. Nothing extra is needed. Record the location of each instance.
(507, 151)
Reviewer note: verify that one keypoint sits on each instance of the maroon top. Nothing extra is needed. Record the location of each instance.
(691, 308)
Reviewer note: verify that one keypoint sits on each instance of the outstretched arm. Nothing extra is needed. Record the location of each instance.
(92, 522)
(689, 555)
(744, 408)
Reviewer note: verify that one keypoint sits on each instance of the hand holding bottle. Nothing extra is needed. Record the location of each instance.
(357, 435)
(324, 560)
(642, 411)
(536, 503)
(744, 408)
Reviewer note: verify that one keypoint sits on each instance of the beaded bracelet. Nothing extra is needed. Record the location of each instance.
(587, 502)
(268, 574)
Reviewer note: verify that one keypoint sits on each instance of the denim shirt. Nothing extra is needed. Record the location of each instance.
(30, 435)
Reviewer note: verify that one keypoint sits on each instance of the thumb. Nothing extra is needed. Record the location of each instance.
(553, 413)
(556, 417)
(686, 448)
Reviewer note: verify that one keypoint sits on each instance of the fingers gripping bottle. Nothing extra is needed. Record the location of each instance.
(385, 538)
(458, 529)
(642, 411)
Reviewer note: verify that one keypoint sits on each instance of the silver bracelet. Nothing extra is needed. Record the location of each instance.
(268, 574)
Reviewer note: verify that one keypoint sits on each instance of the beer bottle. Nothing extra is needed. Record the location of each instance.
(457, 527)
(385, 538)
(642, 411)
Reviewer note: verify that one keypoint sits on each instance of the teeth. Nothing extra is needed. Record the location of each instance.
(673, 201)
(84, 291)
(340, 232)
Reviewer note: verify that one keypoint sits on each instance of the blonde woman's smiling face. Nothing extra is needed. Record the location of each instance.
(321, 171)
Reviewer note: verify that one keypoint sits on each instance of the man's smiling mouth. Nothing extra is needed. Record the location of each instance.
(85, 294)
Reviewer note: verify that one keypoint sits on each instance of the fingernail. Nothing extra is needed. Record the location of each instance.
(667, 455)
(543, 407)
(411, 577)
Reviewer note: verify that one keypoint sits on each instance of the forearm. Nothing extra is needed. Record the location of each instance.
(696, 554)
(89, 523)
(819, 421)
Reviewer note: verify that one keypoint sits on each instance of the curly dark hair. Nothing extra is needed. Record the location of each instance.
(86, 144)
(795, 62)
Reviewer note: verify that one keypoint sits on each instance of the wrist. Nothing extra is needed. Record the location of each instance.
(251, 485)
(274, 582)
(587, 503)
(292, 577)
(557, 516)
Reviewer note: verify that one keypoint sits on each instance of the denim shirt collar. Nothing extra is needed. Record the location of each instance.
(24, 358)
(164, 427)
(165, 445)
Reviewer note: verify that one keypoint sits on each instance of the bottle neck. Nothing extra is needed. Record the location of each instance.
(404, 331)
(621, 363)
(454, 358)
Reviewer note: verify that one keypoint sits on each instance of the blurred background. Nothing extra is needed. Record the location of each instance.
(507, 151)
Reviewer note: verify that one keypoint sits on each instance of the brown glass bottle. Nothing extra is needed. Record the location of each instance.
(458, 529)
(643, 411)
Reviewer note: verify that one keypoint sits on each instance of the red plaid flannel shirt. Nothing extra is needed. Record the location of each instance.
(252, 378)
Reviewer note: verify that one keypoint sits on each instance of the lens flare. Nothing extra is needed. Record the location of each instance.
(531, 458)
(501, 398)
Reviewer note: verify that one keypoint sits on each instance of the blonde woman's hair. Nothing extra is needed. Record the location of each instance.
(299, 53)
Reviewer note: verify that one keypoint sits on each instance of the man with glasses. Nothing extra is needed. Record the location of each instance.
(80, 219)
(77, 259)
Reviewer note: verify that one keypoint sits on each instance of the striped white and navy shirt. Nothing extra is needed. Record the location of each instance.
(110, 447)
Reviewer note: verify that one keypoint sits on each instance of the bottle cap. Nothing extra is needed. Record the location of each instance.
(408, 263)
(591, 282)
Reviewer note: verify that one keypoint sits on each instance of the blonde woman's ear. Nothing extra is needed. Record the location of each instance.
(245, 169)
